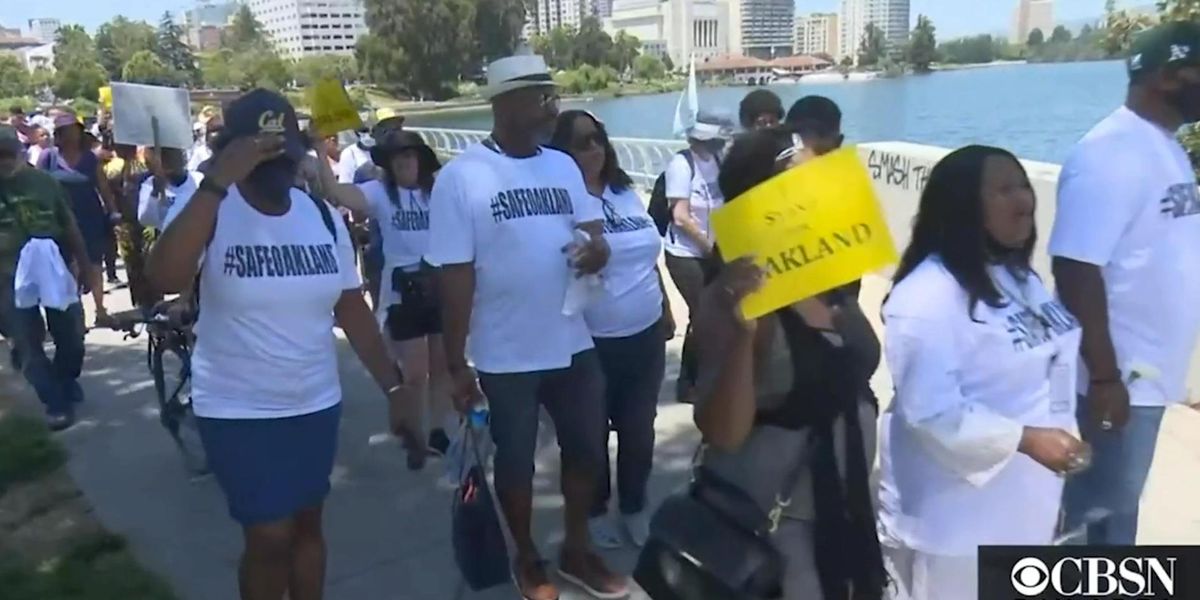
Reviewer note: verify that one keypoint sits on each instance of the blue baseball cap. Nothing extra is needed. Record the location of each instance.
(263, 111)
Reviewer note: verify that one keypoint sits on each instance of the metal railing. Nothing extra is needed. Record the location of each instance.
(643, 159)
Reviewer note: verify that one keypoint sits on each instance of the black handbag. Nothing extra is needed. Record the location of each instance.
(712, 542)
(480, 550)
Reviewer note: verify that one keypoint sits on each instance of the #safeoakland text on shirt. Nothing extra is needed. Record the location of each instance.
(288, 260)
(530, 202)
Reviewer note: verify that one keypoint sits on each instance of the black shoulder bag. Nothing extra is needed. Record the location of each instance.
(712, 542)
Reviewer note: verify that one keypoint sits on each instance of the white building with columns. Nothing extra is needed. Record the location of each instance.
(680, 28)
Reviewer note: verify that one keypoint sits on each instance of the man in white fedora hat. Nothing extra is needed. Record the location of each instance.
(511, 226)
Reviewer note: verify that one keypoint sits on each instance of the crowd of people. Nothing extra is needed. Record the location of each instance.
(525, 274)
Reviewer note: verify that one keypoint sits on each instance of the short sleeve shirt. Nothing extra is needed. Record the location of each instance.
(512, 218)
(1128, 203)
(698, 183)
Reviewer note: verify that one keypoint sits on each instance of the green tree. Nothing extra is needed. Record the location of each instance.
(311, 69)
(922, 45)
(1179, 10)
(244, 32)
(118, 40)
(557, 46)
(668, 63)
(175, 53)
(498, 25)
(14, 78)
(379, 62)
(436, 37)
(873, 46)
(41, 80)
(1061, 35)
(77, 72)
(978, 49)
(592, 44)
(846, 65)
(1036, 38)
(146, 67)
(649, 68)
(625, 50)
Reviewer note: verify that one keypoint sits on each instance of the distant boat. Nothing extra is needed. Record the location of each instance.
(835, 77)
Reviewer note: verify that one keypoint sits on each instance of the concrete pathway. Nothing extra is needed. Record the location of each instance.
(388, 528)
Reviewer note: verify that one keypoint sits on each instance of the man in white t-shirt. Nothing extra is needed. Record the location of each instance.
(693, 194)
(1126, 248)
(507, 219)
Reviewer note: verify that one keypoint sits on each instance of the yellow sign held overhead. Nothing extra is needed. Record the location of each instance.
(106, 97)
(811, 229)
(332, 110)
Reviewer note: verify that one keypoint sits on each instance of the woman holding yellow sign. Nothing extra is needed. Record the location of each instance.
(983, 359)
(788, 419)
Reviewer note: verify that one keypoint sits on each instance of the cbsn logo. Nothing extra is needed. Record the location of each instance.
(1094, 577)
(1089, 572)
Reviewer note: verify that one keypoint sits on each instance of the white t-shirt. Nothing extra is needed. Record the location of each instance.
(965, 389)
(632, 299)
(152, 212)
(268, 285)
(700, 186)
(512, 217)
(1128, 202)
(200, 153)
(352, 158)
(403, 225)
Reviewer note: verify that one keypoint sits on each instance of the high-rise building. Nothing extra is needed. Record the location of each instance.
(762, 28)
(1030, 15)
(604, 8)
(206, 21)
(300, 28)
(818, 33)
(543, 15)
(677, 29)
(44, 30)
(890, 16)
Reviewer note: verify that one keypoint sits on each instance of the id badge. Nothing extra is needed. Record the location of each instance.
(1062, 388)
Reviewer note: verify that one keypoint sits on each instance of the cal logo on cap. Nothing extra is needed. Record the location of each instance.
(270, 122)
(1180, 52)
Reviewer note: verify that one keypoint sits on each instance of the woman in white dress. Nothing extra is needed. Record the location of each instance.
(981, 430)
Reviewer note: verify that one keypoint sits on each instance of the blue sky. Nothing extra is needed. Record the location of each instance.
(952, 17)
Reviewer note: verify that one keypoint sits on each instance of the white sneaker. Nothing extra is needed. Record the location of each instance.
(637, 526)
(604, 534)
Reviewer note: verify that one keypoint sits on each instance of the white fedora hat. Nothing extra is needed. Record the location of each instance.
(514, 73)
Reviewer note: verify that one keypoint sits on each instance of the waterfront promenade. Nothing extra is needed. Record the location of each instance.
(388, 528)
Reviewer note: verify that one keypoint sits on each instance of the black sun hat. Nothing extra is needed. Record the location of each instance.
(395, 141)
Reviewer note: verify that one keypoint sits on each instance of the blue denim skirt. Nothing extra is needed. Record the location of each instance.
(271, 469)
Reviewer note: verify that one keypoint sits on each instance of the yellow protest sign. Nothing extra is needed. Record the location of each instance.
(332, 110)
(106, 97)
(812, 228)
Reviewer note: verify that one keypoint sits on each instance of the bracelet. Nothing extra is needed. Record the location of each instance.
(394, 389)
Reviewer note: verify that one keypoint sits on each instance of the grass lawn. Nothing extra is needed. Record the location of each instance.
(26, 450)
(87, 567)
(98, 568)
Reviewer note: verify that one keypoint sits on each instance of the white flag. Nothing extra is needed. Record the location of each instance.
(689, 104)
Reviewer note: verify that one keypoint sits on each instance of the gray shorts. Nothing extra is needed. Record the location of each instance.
(574, 399)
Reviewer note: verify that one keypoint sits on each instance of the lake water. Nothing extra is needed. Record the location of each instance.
(1037, 111)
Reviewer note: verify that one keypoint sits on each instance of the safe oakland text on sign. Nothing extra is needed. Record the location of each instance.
(812, 228)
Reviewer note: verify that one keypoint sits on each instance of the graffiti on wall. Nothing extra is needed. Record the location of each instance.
(897, 170)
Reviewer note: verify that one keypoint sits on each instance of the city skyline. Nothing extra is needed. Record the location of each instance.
(953, 18)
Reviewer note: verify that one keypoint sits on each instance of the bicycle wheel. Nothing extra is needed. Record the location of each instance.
(171, 365)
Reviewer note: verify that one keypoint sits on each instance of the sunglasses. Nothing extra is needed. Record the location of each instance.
(549, 99)
(790, 152)
(585, 142)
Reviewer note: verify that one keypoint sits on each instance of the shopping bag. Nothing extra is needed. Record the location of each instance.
(480, 550)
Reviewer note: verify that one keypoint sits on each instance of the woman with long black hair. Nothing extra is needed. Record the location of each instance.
(983, 360)
(630, 325)
(786, 410)
(408, 310)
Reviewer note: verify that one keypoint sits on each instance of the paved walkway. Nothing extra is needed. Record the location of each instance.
(388, 529)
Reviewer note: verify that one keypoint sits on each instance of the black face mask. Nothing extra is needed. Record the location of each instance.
(1187, 102)
(274, 179)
